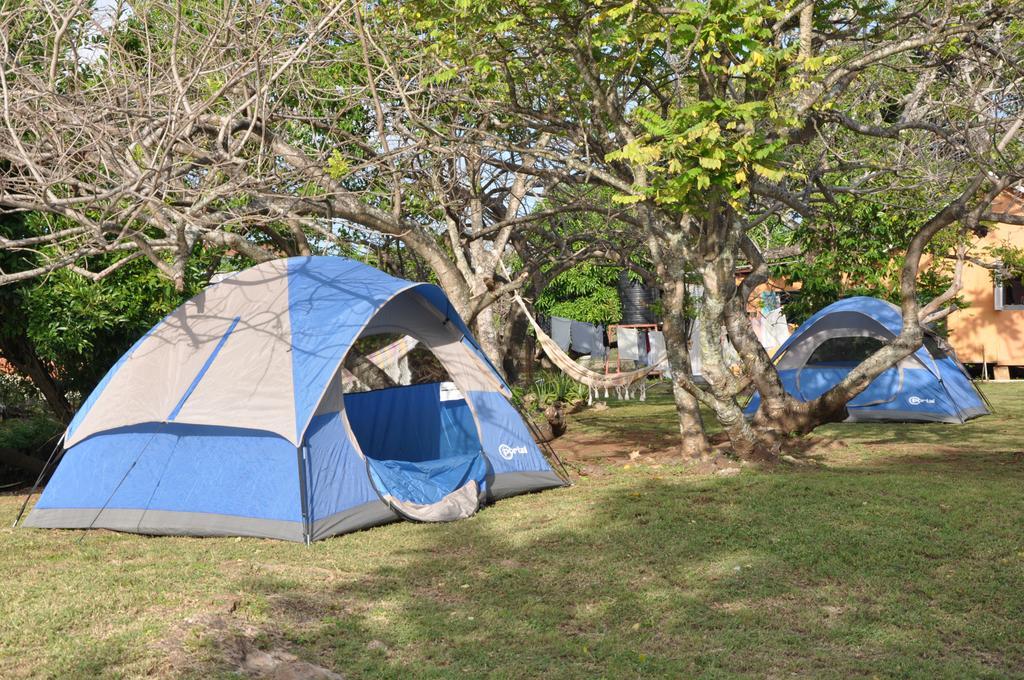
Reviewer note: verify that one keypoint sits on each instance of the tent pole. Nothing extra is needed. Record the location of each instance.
(307, 529)
(127, 472)
(39, 479)
(988, 404)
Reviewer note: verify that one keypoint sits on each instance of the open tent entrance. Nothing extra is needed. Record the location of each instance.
(419, 439)
(419, 436)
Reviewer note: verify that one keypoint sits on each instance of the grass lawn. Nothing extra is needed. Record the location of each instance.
(903, 556)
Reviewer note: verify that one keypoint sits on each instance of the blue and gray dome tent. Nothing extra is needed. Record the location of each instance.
(230, 417)
(930, 385)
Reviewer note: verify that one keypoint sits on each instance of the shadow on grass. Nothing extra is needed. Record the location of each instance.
(878, 570)
(653, 425)
(903, 560)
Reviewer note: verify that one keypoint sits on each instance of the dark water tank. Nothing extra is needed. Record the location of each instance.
(636, 299)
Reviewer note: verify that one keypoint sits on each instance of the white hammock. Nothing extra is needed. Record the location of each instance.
(622, 382)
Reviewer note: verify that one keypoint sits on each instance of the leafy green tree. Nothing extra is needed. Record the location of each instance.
(856, 248)
(712, 119)
(65, 331)
(81, 328)
(16, 345)
(587, 292)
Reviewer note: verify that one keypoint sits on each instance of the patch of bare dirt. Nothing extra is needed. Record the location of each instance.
(278, 665)
(811, 446)
(219, 639)
(580, 447)
(588, 454)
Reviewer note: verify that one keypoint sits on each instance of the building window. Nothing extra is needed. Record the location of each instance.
(1009, 292)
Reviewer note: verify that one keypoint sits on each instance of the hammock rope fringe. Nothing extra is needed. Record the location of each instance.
(623, 383)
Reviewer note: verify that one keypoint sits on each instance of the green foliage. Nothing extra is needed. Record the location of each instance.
(699, 146)
(712, 142)
(80, 327)
(18, 395)
(83, 327)
(1011, 257)
(548, 388)
(587, 292)
(687, 144)
(553, 387)
(337, 165)
(28, 434)
(856, 248)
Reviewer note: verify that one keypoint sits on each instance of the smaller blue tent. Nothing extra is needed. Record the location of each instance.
(930, 385)
(235, 415)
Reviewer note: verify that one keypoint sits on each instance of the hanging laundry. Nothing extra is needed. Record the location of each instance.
(600, 349)
(560, 332)
(581, 337)
(629, 343)
(776, 329)
(587, 338)
(394, 359)
(695, 360)
(757, 325)
(658, 356)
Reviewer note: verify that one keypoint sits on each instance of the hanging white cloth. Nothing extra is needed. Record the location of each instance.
(629, 343)
(695, 361)
(560, 332)
(659, 354)
(757, 325)
(776, 329)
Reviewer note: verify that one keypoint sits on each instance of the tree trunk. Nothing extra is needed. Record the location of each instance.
(693, 438)
(514, 345)
(716, 266)
(486, 333)
(367, 372)
(554, 422)
(22, 355)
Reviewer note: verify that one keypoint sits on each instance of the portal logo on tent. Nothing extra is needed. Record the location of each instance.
(508, 452)
(917, 401)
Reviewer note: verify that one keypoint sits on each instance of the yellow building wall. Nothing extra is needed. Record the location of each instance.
(981, 333)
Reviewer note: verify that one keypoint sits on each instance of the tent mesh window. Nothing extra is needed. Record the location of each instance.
(844, 351)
